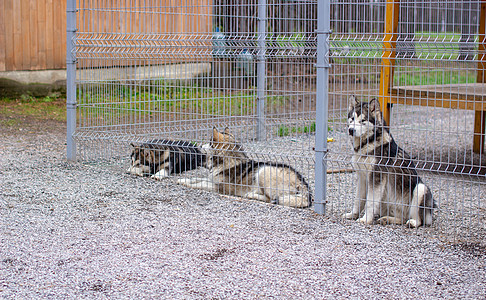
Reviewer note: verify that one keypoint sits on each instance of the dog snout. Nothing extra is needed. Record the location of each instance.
(351, 131)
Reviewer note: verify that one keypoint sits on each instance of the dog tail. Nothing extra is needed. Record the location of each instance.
(423, 205)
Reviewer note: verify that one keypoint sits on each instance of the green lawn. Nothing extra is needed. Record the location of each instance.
(184, 99)
(46, 108)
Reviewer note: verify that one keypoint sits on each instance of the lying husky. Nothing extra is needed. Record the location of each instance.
(388, 185)
(233, 173)
(161, 158)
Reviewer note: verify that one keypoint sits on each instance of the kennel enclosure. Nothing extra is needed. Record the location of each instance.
(279, 75)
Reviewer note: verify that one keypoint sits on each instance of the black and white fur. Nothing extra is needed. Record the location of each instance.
(388, 184)
(233, 173)
(161, 158)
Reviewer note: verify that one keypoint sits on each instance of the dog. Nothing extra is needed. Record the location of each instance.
(388, 184)
(233, 173)
(161, 158)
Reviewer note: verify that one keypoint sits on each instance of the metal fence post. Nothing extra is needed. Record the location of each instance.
(261, 70)
(323, 31)
(70, 79)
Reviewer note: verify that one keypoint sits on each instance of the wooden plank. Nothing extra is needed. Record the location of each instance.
(25, 40)
(49, 35)
(9, 35)
(479, 131)
(62, 28)
(467, 92)
(58, 33)
(389, 54)
(41, 34)
(17, 36)
(32, 32)
(436, 102)
(207, 17)
(33, 35)
(2, 36)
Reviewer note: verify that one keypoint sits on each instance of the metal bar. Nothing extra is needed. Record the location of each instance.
(261, 70)
(323, 31)
(70, 79)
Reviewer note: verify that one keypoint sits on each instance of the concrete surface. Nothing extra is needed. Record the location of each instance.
(45, 82)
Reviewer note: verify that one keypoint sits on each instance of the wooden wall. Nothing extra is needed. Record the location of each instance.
(33, 32)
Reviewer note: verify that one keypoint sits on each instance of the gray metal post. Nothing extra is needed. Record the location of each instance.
(323, 31)
(261, 70)
(70, 79)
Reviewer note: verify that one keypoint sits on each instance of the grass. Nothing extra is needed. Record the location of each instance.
(46, 108)
(185, 101)
(424, 76)
(284, 130)
(109, 105)
(10, 122)
(188, 99)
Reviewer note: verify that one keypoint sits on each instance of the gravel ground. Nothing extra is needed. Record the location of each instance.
(70, 230)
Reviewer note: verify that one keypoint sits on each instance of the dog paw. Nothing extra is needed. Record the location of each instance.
(413, 223)
(349, 216)
(136, 171)
(365, 220)
(158, 177)
(183, 181)
(383, 221)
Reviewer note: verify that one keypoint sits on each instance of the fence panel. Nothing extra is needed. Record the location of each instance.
(158, 74)
(250, 67)
(422, 60)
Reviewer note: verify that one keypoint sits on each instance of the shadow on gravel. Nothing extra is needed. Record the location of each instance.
(474, 249)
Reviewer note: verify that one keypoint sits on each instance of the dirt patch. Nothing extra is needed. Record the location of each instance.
(11, 125)
(32, 116)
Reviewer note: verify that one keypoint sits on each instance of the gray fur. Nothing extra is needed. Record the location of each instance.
(233, 173)
(161, 158)
(388, 184)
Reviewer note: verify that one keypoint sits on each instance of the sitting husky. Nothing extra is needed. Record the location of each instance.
(161, 158)
(233, 173)
(388, 185)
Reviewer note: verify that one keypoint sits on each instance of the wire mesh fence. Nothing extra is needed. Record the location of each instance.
(156, 78)
(423, 61)
(168, 78)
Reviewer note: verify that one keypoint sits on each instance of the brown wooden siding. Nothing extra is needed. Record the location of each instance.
(33, 32)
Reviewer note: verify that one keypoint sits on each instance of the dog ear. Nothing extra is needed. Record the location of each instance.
(374, 105)
(227, 130)
(352, 102)
(215, 134)
(374, 108)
